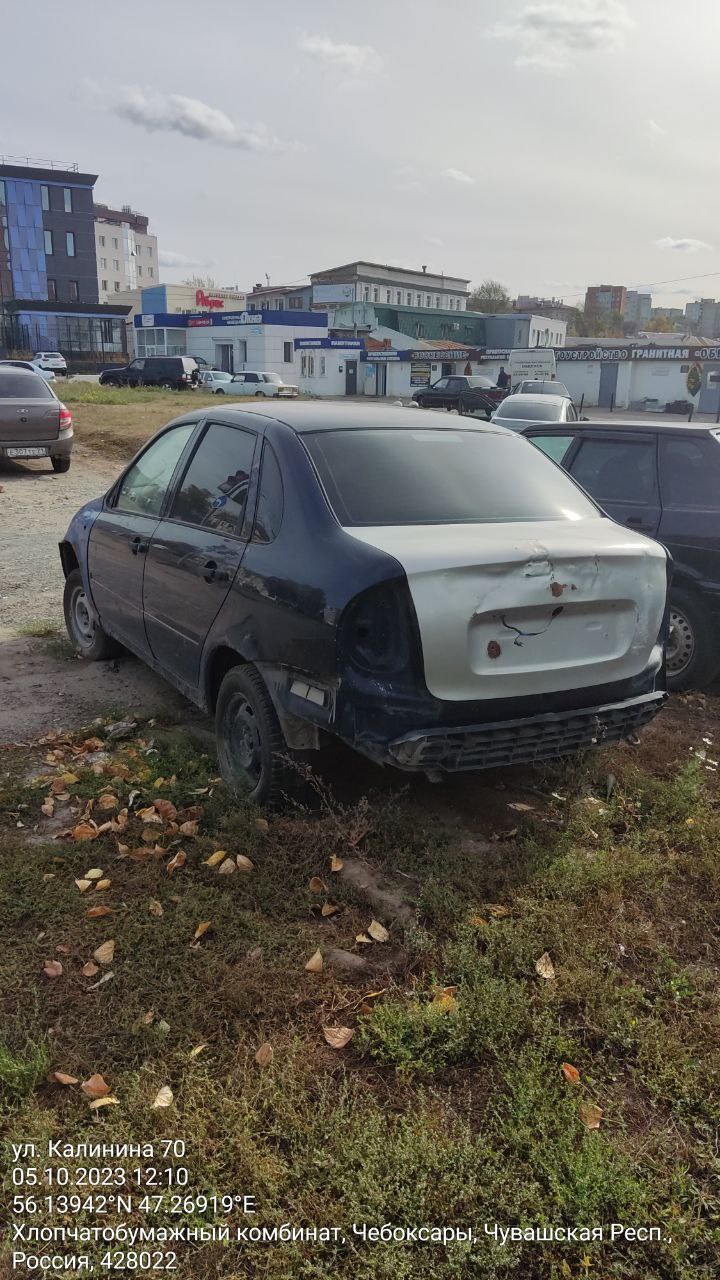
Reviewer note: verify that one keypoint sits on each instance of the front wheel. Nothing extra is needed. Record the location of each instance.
(692, 658)
(167, 386)
(83, 628)
(61, 465)
(250, 741)
(110, 382)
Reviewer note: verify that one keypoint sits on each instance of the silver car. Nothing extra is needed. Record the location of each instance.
(34, 423)
(516, 411)
(213, 379)
(254, 383)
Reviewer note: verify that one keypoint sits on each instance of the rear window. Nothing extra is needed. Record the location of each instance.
(400, 477)
(530, 410)
(21, 384)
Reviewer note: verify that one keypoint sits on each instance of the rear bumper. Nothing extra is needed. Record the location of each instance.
(60, 447)
(525, 741)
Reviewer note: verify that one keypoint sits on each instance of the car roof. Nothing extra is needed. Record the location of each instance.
(308, 416)
(594, 425)
(521, 395)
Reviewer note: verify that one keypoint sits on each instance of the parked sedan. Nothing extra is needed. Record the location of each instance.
(462, 392)
(47, 374)
(212, 379)
(254, 383)
(440, 599)
(33, 422)
(516, 411)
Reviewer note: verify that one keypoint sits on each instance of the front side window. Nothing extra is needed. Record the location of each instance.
(214, 489)
(137, 366)
(690, 472)
(617, 470)
(67, 199)
(402, 476)
(441, 385)
(70, 243)
(144, 486)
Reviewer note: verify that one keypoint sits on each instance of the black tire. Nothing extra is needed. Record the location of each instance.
(84, 631)
(693, 653)
(250, 742)
(61, 465)
(259, 394)
(167, 386)
(421, 404)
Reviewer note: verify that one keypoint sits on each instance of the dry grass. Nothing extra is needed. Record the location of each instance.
(118, 430)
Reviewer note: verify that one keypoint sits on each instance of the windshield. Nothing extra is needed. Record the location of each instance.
(21, 384)
(386, 476)
(529, 410)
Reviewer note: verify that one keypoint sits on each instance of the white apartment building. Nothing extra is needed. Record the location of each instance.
(390, 286)
(127, 254)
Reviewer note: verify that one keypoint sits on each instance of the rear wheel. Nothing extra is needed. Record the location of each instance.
(167, 386)
(82, 626)
(61, 464)
(692, 655)
(259, 394)
(111, 382)
(250, 741)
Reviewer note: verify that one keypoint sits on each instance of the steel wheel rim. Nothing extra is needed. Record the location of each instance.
(681, 643)
(83, 621)
(242, 742)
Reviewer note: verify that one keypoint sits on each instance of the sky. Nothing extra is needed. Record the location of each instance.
(548, 145)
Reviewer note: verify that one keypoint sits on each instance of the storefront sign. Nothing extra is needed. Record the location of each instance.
(345, 344)
(198, 322)
(147, 322)
(420, 374)
(203, 300)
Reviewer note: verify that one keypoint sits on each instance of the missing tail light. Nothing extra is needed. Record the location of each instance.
(377, 630)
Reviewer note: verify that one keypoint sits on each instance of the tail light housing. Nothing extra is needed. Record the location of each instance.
(378, 630)
(66, 422)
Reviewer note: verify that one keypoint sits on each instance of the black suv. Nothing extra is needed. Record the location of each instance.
(174, 372)
(663, 480)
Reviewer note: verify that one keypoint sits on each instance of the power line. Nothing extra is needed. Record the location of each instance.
(656, 284)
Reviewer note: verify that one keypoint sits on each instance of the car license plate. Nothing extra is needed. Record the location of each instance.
(30, 452)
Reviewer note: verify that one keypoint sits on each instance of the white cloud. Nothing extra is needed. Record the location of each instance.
(655, 130)
(458, 175)
(174, 113)
(360, 59)
(166, 258)
(552, 33)
(687, 245)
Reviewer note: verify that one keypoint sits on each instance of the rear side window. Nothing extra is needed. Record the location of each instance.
(401, 477)
(21, 384)
(554, 446)
(214, 489)
(690, 472)
(617, 470)
(269, 513)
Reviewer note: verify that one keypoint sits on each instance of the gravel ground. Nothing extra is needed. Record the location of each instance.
(35, 509)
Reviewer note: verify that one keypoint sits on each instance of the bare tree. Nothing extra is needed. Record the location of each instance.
(490, 296)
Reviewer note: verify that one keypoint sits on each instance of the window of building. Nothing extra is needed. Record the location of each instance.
(139, 271)
(103, 264)
(74, 291)
(388, 295)
(51, 290)
(2, 191)
(437, 302)
(321, 361)
(149, 251)
(375, 295)
(70, 243)
(101, 241)
(48, 243)
(287, 352)
(419, 299)
(409, 299)
(295, 304)
(67, 199)
(366, 293)
(398, 298)
(104, 285)
(428, 301)
(419, 330)
(115, 242)
(116, 264)
(280, 304)
(117, 286)
(5, 236)
(45, 197)
(151, 271)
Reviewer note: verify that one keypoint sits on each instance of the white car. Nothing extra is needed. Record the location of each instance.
(253, 383)
(516, 411)
(52, 360)
(212, 379)
(47, 374)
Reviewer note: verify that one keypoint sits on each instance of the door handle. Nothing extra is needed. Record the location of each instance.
(211, 573)
(138, 546)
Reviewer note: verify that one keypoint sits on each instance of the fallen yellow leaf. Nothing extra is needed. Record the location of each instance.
(52, 968)
(215, 858)
(338, 1037)
(591, 1115)
(95, 873)
(198, 1049)
(227, 867)
(378, 931)
(244, 864)
(108, 1101)
(189, 828)
(95, 913)
(102, 884)
(61, 1078)
(105, 952)
(90, 969)
(315, 963)
(329, 909)
(571, 1073)
(316, 885)
(336, 864)
(545, 967)
(163, 1097)
(48, 807)
(362, 937)
(155, 908)
(178, 861)
(265, 1054)
(83, 885)
(202, 929)
(84, 831)
(108, 802)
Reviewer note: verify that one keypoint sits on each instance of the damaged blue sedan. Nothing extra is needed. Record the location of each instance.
(441, 598)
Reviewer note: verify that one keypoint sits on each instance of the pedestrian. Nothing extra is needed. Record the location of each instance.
(503, 379)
